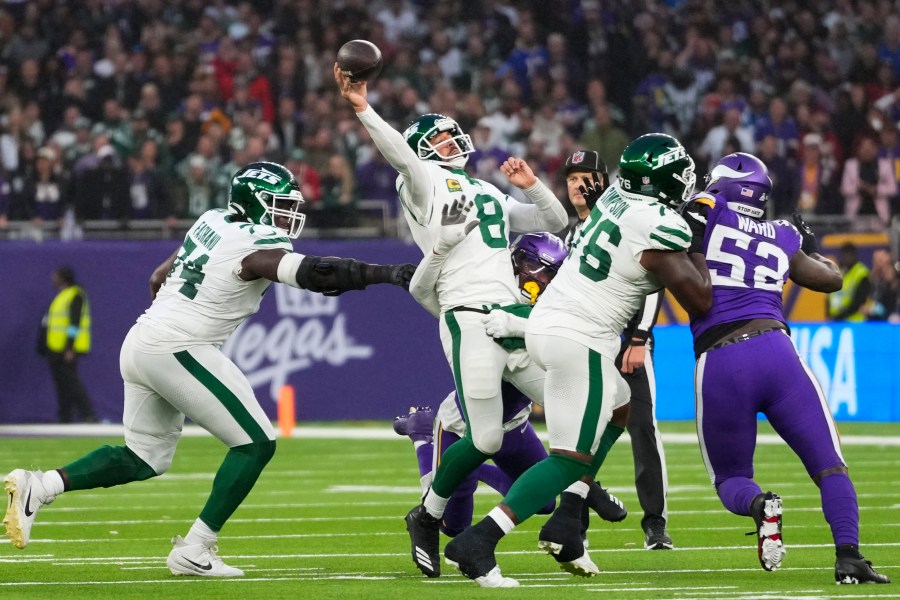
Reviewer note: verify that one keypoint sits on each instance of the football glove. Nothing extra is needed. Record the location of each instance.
(501, 324)
(591, 189)
(454, 227)
(808, 239)
(694, 214)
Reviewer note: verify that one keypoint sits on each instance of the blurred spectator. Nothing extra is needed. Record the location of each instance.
(868, 182)
(781, 125)
(817, 180)
(307, 177)
(338, 194)
(149, 194)
(399, 20)
(604, 136)
(884, 300)
(783, 172)
(713, 146)
(376, 180)
(102, 191)
(889, 150)
(847, 304)
(200, 188)
(45, 188)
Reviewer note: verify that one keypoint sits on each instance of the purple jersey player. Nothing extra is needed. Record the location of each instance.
(746, 363)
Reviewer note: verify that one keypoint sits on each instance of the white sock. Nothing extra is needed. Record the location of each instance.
(501, 519)
(53, 484)
(434, 504)
(199, 533)
(580, 488)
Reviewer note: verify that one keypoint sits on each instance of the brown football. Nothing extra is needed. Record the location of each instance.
(360, 59)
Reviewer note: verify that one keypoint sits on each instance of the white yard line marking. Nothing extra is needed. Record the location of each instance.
(370, 433)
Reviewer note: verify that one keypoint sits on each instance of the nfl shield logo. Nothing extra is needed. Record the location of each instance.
(747, 192)
(645, 180)
(577, 157)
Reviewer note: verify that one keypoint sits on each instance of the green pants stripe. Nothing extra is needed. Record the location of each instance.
(224, 395)
(455, 333)
(594, 403)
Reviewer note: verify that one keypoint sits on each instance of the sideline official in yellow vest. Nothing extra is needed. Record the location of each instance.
(66, 336)
(847, 304)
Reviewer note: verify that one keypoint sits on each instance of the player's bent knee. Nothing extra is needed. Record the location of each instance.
(488, 441)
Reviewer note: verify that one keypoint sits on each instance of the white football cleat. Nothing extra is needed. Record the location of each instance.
(26, 495)
(582, 566)
(494, 579)
(198, 559)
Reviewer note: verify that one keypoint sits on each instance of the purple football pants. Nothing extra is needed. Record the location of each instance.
(520, 450)
(764, 374)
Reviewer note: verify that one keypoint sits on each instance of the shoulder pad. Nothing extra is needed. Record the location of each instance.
(704, 198)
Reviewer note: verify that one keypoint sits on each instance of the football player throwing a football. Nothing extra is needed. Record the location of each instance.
(172, 365)
(746, 363)
(476, 275)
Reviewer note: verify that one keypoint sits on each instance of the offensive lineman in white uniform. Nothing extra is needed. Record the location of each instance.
(172, 366)
(477, 273)
(632, 244)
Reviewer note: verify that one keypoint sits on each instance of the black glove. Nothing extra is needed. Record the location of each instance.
(402, 274)
(808, 243)
(694, 214)
(592, 189)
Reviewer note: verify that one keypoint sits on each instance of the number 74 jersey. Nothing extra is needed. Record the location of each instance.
(601, 284)
(203, 300)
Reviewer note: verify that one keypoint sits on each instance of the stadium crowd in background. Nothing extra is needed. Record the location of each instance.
(157, 103)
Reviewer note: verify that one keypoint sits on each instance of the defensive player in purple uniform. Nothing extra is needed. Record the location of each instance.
(536, 258)
(746, 363)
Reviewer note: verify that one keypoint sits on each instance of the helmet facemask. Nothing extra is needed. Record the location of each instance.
(285, 206)
(536, 259)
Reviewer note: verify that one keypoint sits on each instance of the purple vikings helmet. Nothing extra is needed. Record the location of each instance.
(536, 258)
(743, 180)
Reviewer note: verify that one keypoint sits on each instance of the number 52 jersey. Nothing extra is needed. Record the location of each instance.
(601, 284)
(203, 300)
(748, 260)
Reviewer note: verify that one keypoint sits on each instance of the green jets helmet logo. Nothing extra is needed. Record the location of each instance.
(667, 158)
(262, 174)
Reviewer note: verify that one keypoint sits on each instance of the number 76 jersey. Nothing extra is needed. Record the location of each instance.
(601, 284)
(748, 260)
(203, 300)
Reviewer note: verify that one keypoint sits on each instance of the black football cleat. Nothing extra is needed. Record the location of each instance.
(561, 538)
(766, 512)
(425, 536)
(857, 570)
(607, 506)
(472, 552)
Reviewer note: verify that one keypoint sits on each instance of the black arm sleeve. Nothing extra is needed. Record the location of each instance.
(332, 276)
(74, 318)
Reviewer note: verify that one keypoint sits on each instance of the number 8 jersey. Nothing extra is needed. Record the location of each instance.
(748, 260)
(203, 300)
(601, 283)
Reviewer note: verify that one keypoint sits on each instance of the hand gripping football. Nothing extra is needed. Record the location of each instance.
(360, 59)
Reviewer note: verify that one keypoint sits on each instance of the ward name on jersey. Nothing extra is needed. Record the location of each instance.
(601, 284)
(203, 300)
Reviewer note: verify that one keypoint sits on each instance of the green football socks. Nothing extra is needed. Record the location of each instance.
(460, 459)
(542, 482)
(105, 467)
(234, 480)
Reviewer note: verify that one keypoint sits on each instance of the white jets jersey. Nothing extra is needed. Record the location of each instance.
(479, 269)
(601, 283)
(203, 300)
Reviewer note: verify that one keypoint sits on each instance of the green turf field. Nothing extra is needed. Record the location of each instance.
(326, 521)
